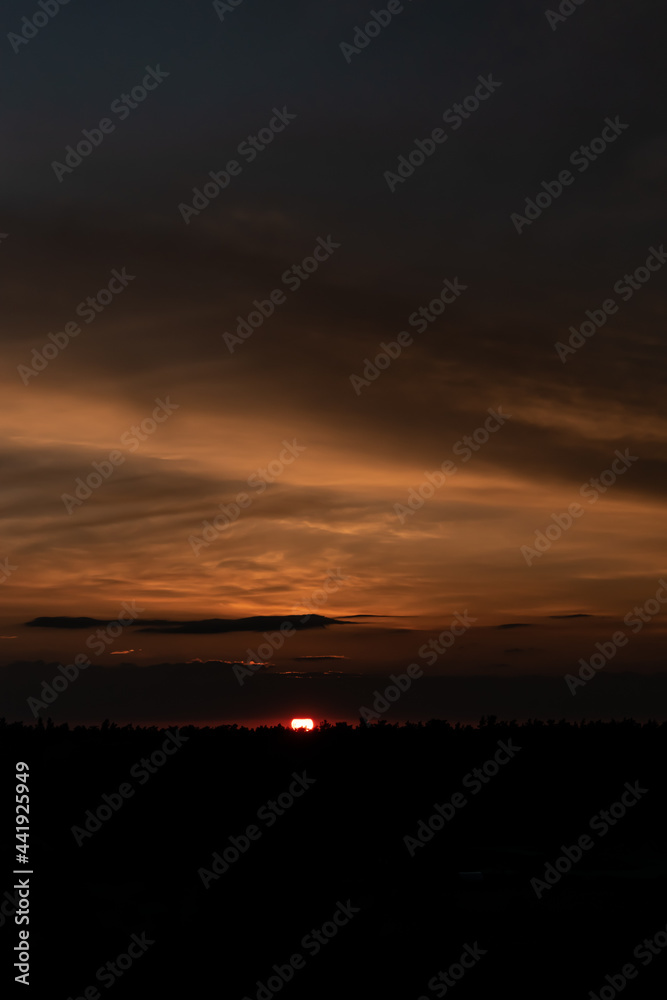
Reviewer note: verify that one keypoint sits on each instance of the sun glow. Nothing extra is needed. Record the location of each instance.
(302, 723)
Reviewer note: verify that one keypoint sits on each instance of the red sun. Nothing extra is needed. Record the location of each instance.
(302, 723)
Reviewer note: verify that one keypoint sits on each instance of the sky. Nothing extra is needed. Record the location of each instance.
(215, 355)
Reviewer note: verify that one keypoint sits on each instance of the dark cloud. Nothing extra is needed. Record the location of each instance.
(332, 657)
(257, 623)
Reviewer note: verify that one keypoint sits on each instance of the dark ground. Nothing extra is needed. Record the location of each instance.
(343, 839)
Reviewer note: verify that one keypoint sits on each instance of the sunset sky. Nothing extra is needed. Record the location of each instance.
(329, 505)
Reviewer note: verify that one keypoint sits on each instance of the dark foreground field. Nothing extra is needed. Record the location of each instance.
(324, 878)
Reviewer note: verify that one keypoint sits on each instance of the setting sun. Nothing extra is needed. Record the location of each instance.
(302, 723)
